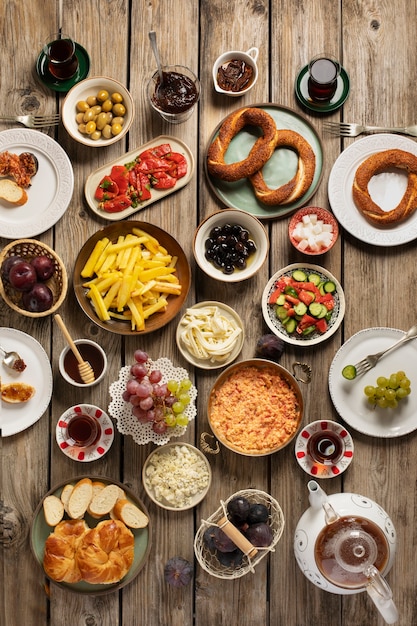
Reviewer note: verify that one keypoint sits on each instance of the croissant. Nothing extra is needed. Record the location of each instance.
(61, 547)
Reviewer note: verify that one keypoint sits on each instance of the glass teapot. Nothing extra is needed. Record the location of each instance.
(344, 544)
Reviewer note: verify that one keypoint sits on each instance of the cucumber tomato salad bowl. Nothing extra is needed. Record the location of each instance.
(303, 304)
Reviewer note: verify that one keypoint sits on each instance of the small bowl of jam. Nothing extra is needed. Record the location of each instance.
(176, 96)
(235, 73)
(91, 352)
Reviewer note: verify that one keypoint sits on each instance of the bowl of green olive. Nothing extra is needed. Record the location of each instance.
(98, 111)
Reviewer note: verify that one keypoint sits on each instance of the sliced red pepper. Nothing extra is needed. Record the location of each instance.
(158, 151)
(153, 164)
(106, 190)
(117, 204)
(120, 175)
(144, 187)
(163, 180)
(179, 165)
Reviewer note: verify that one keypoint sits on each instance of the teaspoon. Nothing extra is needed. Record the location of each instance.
(13, 360)
(152, 37)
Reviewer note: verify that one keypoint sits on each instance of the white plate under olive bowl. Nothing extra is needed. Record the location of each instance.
(179, 476)
(208, 360)
(313, 337)
(40, 531)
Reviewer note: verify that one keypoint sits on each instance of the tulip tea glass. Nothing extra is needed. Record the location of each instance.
(323, 72)
(62, 59)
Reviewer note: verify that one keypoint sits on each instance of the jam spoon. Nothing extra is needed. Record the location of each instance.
(13, 360)
(152, 37)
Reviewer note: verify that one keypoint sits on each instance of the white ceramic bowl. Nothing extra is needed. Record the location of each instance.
(179, 471)
(210, 361)
(295, 338)
(256, 231)
(249, 57)
(101, 363)
(90, 87)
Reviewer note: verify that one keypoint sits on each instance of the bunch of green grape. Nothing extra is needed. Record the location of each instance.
(388, 392)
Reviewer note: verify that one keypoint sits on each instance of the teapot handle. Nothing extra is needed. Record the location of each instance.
(381, 595)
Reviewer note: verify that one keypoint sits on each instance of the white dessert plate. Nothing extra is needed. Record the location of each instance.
(50, 192)
(348, 396)
(90, 453)
(17, 417)
(386, 189)
(94, 179)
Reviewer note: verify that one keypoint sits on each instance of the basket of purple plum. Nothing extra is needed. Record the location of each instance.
(244, 529)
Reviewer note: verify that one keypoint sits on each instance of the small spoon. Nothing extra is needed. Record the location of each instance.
(84, 367)
(13, 360)
(152, 37)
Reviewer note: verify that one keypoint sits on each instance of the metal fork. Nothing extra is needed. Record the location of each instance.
(33, 121)
(372, 359)
(345, 129)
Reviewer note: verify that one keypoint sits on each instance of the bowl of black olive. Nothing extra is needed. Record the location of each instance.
(231, 245)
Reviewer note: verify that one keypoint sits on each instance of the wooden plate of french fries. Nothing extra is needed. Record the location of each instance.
(131, 278)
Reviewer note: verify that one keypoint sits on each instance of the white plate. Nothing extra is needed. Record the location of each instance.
(206, 364)
(17, 417)
(386, 189)
(51, 189)
(348, 396)
(278, 328)
(94, 179)
(91, 453)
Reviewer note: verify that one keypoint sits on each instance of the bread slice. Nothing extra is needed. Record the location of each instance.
(80, 498)
(53, 510)
(97, 487)
(12, 193)
(130, 514)
(103, 502)
(65, 495)
(17, 392)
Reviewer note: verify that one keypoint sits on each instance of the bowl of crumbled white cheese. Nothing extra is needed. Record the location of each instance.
(176, 476)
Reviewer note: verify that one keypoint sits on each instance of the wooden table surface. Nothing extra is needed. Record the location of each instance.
(376, 43)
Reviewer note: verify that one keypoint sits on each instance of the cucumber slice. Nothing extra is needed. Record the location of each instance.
(281, 299)
(300, 308)
(329, 286)
(323, 312)
(281, 313)
(299, 276)
(315, 309)
(291, 325)
(314, 278)
(349, 372)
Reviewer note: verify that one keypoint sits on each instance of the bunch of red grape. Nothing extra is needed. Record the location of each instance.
(153, 401)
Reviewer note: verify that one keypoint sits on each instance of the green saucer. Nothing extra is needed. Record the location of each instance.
(340, 96)
(64, 85)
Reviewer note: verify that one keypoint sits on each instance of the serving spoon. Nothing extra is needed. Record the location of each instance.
(152, 37)
(13, 360)
(84, 367)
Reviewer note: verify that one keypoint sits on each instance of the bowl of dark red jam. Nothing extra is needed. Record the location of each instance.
(91, 352)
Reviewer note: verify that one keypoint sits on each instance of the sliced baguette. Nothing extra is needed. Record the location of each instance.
(103, 502)
(80, 498)
(97, 487)
(130, 514)
(65, 495)
(12, 193)
(17, 392)
(53, 510)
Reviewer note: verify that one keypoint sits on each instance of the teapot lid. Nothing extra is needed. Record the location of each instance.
(355, 550)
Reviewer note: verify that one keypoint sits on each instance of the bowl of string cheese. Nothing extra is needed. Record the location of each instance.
(210, 335)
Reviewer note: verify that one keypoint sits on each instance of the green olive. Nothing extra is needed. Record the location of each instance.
(96, 108)
(89, 115)
(101, 120)
(109, 117)
(81, 128)
(90, 127)
(119, 110)
(107, 105)
(102, 95)
(118, 120)
(117, 97)
(91, 101)
(79, 118)
(106, 132)
(116, 129)
(96, 135)
(82, 106)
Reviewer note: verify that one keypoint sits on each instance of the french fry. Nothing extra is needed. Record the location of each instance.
(131, 278)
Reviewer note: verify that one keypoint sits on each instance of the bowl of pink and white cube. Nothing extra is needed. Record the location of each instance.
(313, 230)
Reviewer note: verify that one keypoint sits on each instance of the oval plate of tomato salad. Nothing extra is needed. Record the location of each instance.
(139, 178)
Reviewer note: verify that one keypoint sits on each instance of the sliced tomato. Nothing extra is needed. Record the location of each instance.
(120, 175)
(305, 322)
(274, 296)
(327, 300)
(292, 299)
(117, 204)
(106, 190)
(306, 296)
(321, 325)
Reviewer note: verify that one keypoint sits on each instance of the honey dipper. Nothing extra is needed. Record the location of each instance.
(84, 367)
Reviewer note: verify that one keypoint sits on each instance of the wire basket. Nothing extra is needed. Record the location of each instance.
(58, 283)
(208, 559)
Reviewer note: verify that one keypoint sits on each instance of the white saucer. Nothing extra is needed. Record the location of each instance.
(92, 453)
(309, 465)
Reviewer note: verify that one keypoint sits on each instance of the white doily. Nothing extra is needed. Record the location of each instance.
(121, 411)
